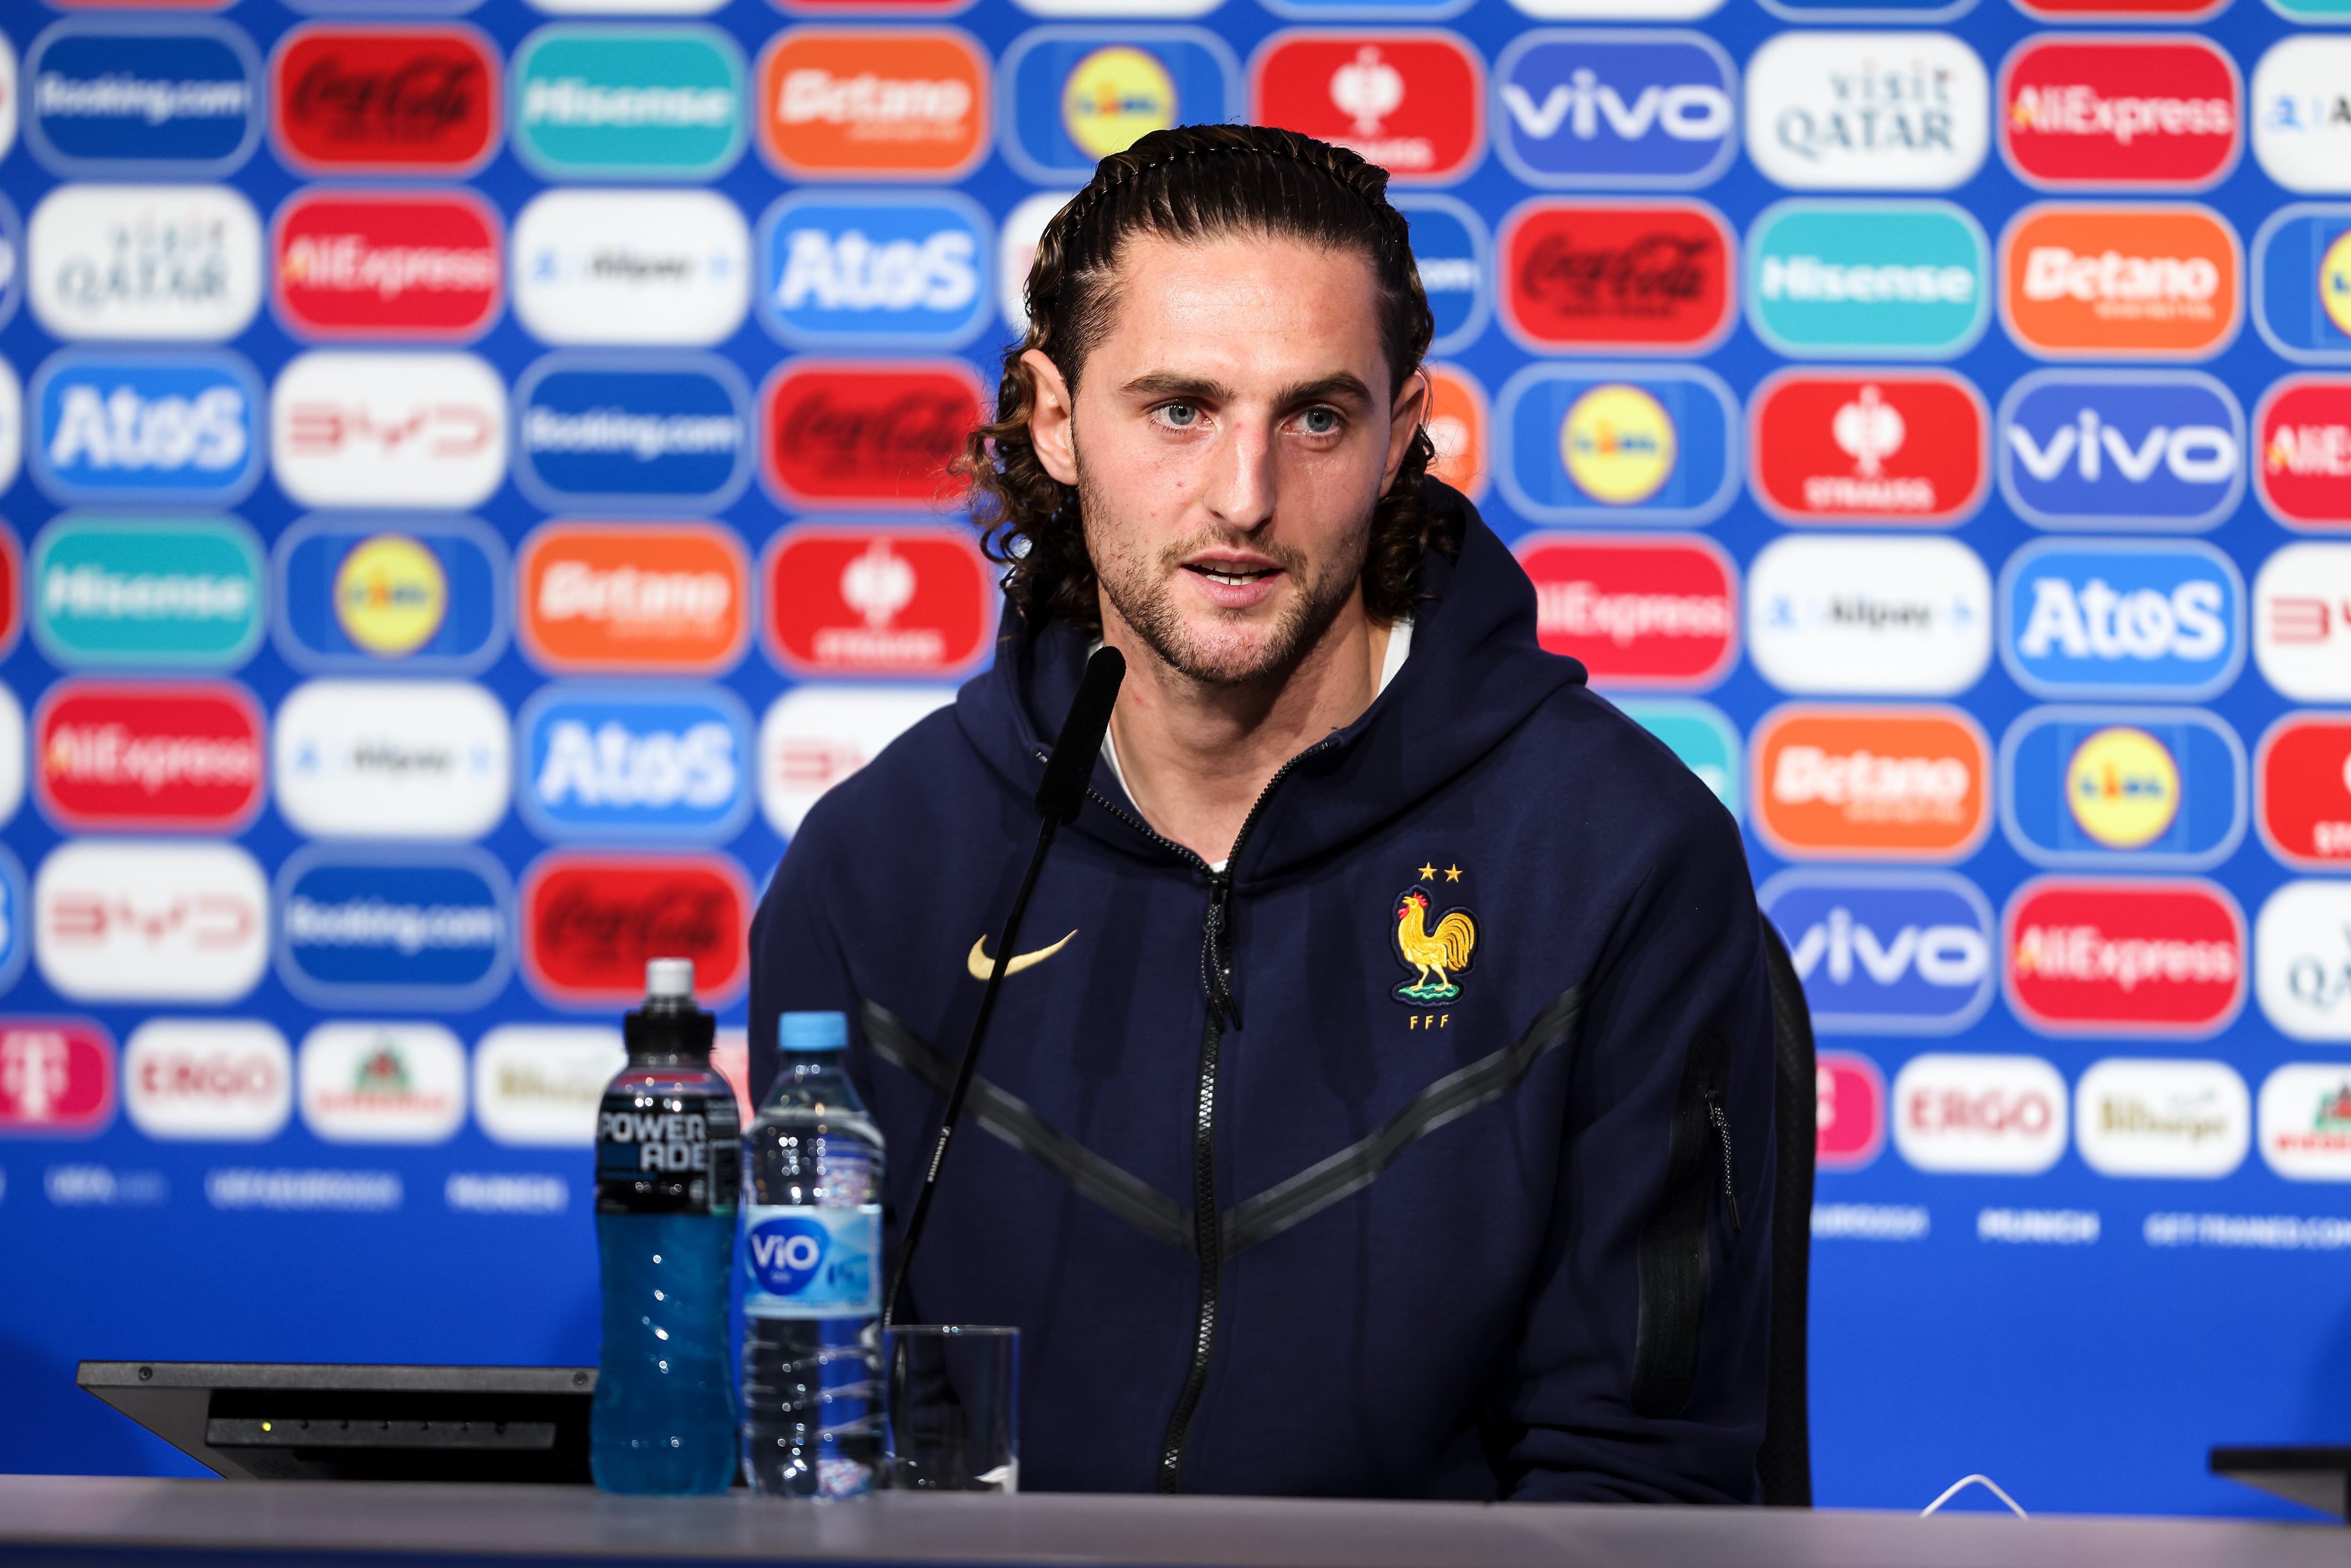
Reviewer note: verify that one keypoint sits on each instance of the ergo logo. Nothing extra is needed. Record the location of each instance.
(212, 1080)
(1993, 1114)
(1639, 611)
(1906, 783)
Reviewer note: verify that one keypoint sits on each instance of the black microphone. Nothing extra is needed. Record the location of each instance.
(1068, 771)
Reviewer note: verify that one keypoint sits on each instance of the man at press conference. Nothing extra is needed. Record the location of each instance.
(1380, 1102)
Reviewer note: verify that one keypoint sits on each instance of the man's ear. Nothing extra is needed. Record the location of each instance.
(1403, 422)
(1051, 410)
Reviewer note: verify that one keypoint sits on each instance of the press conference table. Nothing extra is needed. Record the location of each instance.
(52, 1521)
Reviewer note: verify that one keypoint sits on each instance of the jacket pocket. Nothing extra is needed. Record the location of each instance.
(1675, 1251)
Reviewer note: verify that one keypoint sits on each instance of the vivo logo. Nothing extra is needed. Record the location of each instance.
(2121, 449)
(163, 427)
(1885, 952)
(635, 762)
(1615, 108)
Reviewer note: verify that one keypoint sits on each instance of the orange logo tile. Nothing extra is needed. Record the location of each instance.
(660, 598)
(1458, 424)
(873, 103)
(2121, 281)
(1898, 783)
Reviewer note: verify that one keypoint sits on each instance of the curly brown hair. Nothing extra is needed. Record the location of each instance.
(1193, 183)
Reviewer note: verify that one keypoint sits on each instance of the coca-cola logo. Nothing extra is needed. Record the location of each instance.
(850, 435)
(878, 600)
(1638, 611)
(362, 264)
(1622, 275)
(124, 755)
(386, 100)
(590, 921)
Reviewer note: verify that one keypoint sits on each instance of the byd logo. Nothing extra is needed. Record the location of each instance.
(877, 600)
(1898, 446)
(2112, 956)
(2129, 113)
(427, 266)
(1660, 613)
(1643, 276)
(389, 429)
(1412, 102)
(2302, 621)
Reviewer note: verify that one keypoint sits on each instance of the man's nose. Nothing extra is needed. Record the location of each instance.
(1241, 481)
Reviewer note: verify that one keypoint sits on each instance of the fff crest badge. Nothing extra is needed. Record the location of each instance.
(1435, 946)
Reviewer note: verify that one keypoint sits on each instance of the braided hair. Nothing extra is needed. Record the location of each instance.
(1193, 183)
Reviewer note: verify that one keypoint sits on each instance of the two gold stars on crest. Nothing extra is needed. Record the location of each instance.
(1452, 874)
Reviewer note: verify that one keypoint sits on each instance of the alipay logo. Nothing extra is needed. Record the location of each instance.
(628, 102)
(117, 592)
(2137, 618)
(405, 929)
(160, 427)
(2114, 449)
(119, 96)
(1880, 280)
(901, 271)
(604, 435)
(1885, 952)
(1601, 107)
(621, 761)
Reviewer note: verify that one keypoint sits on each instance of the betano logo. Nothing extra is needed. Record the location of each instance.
(171, 427)
(147, 756)
(1412, 102)
(2107, 113)
(591, 921)
(146, 591)
(1900, 783)
(381, 100)
(612, 598)
(1604, 107)
(1457, 422)
(904, 271)
(2117, 281)
(1660, 613)
(423, 267)
(2105, 955)
(878, 600)
(628, 102)
(1849, 446)
(2302, 790)
(872, 103)
(1636, 277)
(865, 435)
(1869, 615)
(1866, 111)
(2141, 618)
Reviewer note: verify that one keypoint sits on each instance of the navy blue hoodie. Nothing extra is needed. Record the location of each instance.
(1422, 1206)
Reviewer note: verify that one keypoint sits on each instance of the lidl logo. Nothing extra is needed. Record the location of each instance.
(2114, 281)
(1640, 277)
(1412, 102)
(1701, 736)
(2155, 786)
(407, 928)
(642, 762)
(131, 591)
(1848, 446)
(2141, 618)
(2301, 282)
(1644, 612)
(121, 96)
(2120, 114)
(1877, 615)
(2302, 627)
(413, 266)
(1604, 107)
(2301, 448)
(1453, 256)
(2301, 113)
(1584, 443)
(149, 756)
(611, 435)
(386, 100)
(1890, 783)
(1899, 280)
(1457, 422)
(590, 921)
(866, 435)
(844, 600)
(905, 270)
(423, 594)
(1075, 95)
(1885, 952)
(1866, 111)
(873, 103)
(2137, 955)
(2302, 790)
(627, 102)
(655, 598)
(172, 427)
(2116, 449)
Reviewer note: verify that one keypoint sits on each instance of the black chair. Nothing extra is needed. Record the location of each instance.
(1785, 1460)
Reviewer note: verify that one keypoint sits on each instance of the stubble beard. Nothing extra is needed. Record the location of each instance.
(1141, 587)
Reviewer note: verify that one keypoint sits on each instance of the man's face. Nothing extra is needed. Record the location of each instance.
(1229, 439)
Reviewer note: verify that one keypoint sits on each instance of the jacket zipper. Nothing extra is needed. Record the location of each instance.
(1721, 1118)
(1216, 980)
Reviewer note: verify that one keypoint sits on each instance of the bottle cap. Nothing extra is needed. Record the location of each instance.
(669, 978)
(812, 1031)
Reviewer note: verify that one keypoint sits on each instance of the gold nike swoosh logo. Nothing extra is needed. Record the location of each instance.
(981, 966)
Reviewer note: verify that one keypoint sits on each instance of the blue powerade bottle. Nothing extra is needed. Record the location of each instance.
(668, 1167)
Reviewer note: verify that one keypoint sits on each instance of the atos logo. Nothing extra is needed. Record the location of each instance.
(2302, 622)
(632, 268)
(1878, 280)
(1586, 443)
(877, 600)
(590, 921)
(2301, 279)
(183, 428)
(2001, 1116)
(353, 429)
(2110, 281)
(873, 103)
(1601, 107)
(421, 595)
(413, 267)
(815, 735)
(150, 263)
(628, 102)
(151, 920)
(367, 99)
(1880, 616)
(1849, 1117)
(122, 96)
(2116, 449)
(1866, 111)
(2303, 463)
(619, 434)
(109, 592)
(376, 929)
(907, 270)
(642, 762)
(1644, 612)
(2138, 618)
(1412, 102)
(1905, 446)
(2158, 788)
(1449, 247)
(208, 1080)
(1890, 783)
(56, 1078)
(124, 756)
(2129, 113)
(2302, 132)
(867, 435)
(661, 597)
(2124, 956)
(1074, 96)
(393, 760)
(1650, 276)
(1885, 952)
(2302, 790)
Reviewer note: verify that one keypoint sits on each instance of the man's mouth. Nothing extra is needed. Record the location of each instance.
(1232, 576)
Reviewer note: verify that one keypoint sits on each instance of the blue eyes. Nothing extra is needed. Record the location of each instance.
(1319, 420)
(1186, 416)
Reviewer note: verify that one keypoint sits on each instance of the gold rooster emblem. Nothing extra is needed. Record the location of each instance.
(1438, 956)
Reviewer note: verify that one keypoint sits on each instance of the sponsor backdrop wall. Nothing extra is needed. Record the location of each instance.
(473, 478)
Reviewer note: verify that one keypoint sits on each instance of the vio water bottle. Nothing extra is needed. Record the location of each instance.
(812, 1266)
(667, 1176)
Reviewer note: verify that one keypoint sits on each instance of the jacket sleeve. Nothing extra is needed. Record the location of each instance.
(796, 961)
(1640, 1370)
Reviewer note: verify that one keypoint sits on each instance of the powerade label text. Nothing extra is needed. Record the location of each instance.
(662, 1152)
(801, 1262)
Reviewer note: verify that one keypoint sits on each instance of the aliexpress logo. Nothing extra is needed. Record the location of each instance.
(2108, 112)
(148, 756)
(2123, 956)
(2146, 282)
(658, 598)
(866, 435)
(1909, 783)
(875, 103)
(1639, 611)
(411, 266)
(386, 100)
